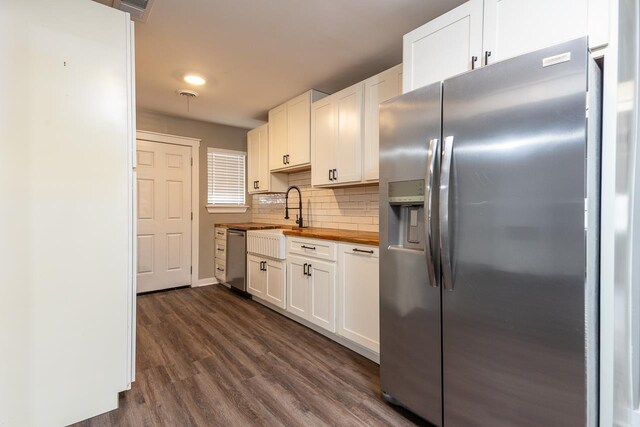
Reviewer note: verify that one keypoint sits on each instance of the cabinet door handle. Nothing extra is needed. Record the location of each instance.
(288, 159)
(487, 54)
(257, 185)
(304, 268)
(309, 270)
(313, 248)
(330, 175)
(284, 162)
(474, 59)
(335, 174)
(363, 252)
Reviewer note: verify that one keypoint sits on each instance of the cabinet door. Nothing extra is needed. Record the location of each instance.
(377, 89)
(264, 175)
(322, 287)
(515, 27)
(298, 129)
(277, 137)
(253, 160)
(275, 291)
(323, 134)
(349, 119)
(256, 278)
(297, 287)
(358, 297)
(443, 47)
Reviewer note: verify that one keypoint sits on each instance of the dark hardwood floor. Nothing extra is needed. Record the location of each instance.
(207, 357)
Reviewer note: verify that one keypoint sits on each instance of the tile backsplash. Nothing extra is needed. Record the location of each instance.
(352, 208)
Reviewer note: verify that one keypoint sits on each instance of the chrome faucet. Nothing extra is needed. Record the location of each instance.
(299, 208)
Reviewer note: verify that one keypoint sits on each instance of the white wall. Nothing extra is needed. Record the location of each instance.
(64, 180)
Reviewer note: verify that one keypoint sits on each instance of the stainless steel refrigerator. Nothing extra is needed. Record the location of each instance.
(489, 244)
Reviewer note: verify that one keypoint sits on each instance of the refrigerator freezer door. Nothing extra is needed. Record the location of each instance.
(515, 326)
(410, 350)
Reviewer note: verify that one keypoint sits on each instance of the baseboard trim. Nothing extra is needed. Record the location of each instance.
(206, 282)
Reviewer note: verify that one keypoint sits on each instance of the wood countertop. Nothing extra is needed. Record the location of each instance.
(246, 226)
(351, 236)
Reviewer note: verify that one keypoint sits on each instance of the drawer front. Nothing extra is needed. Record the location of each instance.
(362, 250)
(221, 234)
(322, 249)
(221, 249)
(221, 270)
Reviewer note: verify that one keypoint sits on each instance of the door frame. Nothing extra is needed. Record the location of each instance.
(194, 143)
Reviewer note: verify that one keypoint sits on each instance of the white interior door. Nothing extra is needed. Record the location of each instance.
(164, 215)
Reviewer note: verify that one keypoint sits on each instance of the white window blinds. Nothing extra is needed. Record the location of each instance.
(226, 172)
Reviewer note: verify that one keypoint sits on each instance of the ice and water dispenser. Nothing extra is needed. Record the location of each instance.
(406, 214)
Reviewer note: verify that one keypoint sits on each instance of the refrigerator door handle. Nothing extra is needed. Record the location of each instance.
(445, 247)
(434, 150)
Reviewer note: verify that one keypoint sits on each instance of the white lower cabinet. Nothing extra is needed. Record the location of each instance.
(266, 279)
(358, 295)
(256, 276)
(311, 288)
(325, 284)
(275, 290)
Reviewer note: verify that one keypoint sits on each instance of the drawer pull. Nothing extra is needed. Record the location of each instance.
(361, 251)
(313, 248)
(220, 233)
(220, 269)
(220, 249)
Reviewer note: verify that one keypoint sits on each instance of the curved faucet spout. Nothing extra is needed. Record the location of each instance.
(299, 208)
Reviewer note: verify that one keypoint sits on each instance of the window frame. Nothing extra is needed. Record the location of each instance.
(226, 207)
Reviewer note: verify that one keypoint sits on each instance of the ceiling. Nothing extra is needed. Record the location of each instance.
(256, 54)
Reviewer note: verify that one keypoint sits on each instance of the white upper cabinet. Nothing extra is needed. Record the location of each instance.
(478, 33)
(448, 45)
(349, 104)
(515, 27)
(259, 178)
(290, 133)
(377, 89)
(337, 137)
(323, 141)
(277, 137)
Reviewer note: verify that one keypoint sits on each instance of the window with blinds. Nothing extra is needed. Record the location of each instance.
(226, 172)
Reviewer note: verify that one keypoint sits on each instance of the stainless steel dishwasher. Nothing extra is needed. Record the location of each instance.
(237, 259)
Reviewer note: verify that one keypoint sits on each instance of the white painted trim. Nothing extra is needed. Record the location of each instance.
(227, 209)
(167, 139)
(224, 150)
(206, 282)
(133, 226)
(194, 143)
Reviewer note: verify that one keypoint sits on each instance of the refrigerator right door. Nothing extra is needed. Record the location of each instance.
(518, 311)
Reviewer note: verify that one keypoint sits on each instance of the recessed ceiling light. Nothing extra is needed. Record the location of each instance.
(192, 79)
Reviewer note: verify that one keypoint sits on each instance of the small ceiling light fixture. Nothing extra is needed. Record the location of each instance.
(188, 94)
(195, 80)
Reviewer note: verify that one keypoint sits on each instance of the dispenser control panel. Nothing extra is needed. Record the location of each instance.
(406, 192)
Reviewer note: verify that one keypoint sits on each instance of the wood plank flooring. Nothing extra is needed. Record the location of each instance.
(208, 357)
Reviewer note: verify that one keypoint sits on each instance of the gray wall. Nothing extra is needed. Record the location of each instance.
(212, 135)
